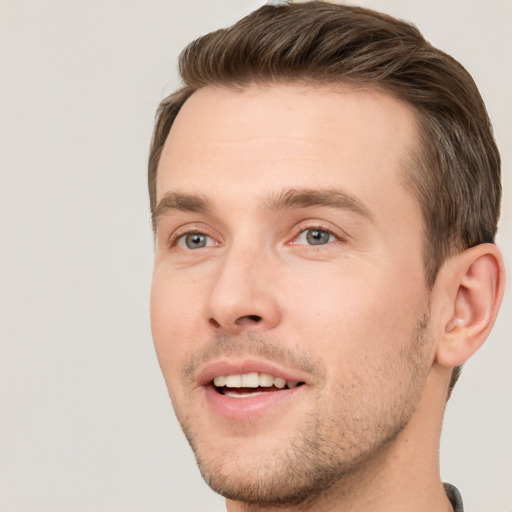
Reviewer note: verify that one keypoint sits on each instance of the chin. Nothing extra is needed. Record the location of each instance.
(286, 470)
(277, 481)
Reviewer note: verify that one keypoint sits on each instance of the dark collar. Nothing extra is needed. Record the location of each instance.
(454, 497)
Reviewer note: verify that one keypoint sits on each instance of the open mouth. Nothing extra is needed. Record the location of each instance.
(250, 384)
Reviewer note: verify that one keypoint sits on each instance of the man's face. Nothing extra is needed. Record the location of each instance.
(289, 253)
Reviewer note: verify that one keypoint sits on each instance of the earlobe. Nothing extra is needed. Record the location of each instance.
(472, 286)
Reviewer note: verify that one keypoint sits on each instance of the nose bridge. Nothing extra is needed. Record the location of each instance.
(241, 296)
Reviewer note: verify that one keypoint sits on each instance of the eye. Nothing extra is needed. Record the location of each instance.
(315, 236)
(195, 241)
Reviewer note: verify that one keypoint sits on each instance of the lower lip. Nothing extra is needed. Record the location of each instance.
(249, 406)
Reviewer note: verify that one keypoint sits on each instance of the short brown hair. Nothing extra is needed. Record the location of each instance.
(455, 174)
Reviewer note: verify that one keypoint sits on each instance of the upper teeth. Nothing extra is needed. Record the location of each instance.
(252, 380)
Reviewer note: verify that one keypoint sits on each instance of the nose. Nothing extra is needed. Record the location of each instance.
(243, 294)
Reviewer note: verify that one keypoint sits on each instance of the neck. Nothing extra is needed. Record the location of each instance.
(403, 475)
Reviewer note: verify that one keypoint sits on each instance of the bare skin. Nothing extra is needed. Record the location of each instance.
(287, 244)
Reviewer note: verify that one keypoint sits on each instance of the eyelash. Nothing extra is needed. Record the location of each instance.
(303, 229)
(179, 235)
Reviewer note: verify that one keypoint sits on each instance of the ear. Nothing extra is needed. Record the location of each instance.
(468, 293)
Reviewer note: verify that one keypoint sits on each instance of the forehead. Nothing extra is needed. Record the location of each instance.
(288, 136)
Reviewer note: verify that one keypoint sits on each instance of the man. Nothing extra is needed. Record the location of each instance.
(325, 191)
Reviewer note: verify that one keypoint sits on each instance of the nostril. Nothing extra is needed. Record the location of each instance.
(249, 318)
(214, 323)
(245, 320)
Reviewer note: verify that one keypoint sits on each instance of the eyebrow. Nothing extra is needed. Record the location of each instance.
(176, 201)
(285, 200)
(329, 197)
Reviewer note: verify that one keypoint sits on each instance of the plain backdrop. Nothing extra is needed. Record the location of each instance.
(85, 421)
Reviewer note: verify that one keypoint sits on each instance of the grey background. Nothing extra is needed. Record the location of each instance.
(85, 421)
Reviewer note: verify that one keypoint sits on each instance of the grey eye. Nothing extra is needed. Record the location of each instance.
(317, 236)
(194, 241)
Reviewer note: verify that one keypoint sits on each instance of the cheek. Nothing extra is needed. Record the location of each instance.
(358, 315)
(175, 309)
(364, 336)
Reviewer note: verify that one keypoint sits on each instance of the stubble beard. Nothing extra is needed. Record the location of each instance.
(328, 450)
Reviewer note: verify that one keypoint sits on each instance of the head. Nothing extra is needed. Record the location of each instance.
(331, 63)
(455, 175)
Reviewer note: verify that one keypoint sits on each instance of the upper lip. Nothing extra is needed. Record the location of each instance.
(241, 366)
